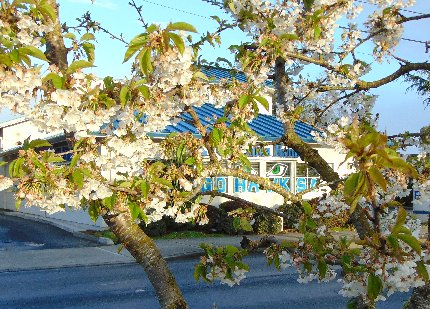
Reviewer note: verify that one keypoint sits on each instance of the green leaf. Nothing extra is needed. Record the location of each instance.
(263, 101)
(69, 35)
(199, 271)
(244, 100)
(135, 211)
(124, 95)
(245, 161)
(352, 304)
(94, 211)
(307, 208)
(322, 268)
(351, 184)
(410, 241)
(401, 229)
(289, 36)
(393, 242)
(377, 177)
(36, 162)
(374, 286)
(216, 135)
(109, 202)
(18, 203)
(57, 80)
(144, 90)
(126, 184)
(47, 11)
(178, 41)
(88, 37)
(422, 271)
(311, 224)
(89, 51)
(164, 182)
(5, 59)
(34, 52)
(317, 32)
(200, 75)
(221, 120)
(232, 8)
(38, 143)
(78, 178)
(183, 26)
(308, 4)
(144, 187)
(16, 167)
(401, 217)
(145, 62)
(135, 44)
(190, 161)
(55, 159)
(78, 64)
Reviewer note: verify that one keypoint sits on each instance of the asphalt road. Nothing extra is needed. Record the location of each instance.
(21, 234)
(126, 286)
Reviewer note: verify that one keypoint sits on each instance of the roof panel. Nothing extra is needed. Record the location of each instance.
(267, 126)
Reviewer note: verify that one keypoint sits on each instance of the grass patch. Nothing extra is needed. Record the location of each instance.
(188, 234)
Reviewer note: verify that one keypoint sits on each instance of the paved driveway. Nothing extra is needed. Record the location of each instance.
(21, 234)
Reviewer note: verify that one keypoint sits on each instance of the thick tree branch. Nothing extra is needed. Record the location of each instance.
(264, 183)
(56, 51)
(243, 201)
(146, 253)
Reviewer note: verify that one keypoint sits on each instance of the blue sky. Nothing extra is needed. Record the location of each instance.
(399, 110)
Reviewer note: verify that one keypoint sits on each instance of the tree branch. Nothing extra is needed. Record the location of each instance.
(215, 193)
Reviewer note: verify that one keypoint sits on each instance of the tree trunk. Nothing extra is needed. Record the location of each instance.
(146, 253)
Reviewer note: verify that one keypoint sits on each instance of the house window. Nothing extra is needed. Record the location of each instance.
(306, 177)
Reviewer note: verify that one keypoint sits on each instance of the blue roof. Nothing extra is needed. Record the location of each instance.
(268, 127)
(221, 73)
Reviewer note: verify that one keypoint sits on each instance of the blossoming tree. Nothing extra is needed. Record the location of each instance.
(42, 73)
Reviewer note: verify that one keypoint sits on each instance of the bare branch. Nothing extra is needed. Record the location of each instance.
(139, 12)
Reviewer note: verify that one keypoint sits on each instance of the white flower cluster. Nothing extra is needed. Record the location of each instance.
(395, 275)
(5, 183)
(218, 273)
(94, 190)
(285, 259)
(69, 109)
(125, 156)
(52, 199)
(27, 28)
(389, 38)
(329, 207)
(172, 69)
(17, 88)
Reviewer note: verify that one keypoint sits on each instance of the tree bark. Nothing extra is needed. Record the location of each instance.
(146, 253)
(56, 51)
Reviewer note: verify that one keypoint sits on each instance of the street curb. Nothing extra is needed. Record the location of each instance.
(66, 266)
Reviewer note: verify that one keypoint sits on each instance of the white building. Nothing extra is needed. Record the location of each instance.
(283, 166)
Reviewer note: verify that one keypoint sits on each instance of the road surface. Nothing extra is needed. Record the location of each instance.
(126, 286)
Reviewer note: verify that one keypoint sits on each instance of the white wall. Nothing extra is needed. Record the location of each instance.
(16, 131)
